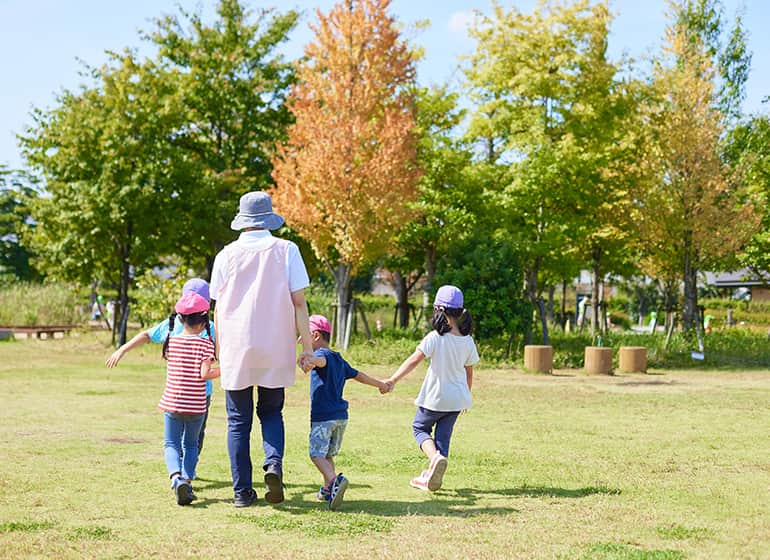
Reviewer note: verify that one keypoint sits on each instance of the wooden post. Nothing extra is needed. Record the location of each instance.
(632, 359)
(598, 360)
(538, 358)
(351, 308)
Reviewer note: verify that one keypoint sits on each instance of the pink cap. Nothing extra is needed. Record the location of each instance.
(320, 323)
(191, 303)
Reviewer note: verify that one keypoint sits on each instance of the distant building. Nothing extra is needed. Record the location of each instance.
(757, 286)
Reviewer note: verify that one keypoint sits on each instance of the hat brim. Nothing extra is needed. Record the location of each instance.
(266, 221)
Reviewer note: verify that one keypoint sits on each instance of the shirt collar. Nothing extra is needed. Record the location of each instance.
(255, 234)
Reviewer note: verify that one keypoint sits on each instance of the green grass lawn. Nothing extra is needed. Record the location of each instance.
(667, 465)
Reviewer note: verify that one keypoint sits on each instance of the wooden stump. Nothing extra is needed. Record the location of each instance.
(598, 360)
(538, 358)
(632, 359)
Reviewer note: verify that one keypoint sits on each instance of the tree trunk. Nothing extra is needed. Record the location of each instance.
(402, 299)
(549, 307)
(596, 255)
(564, 304)
(342, 278)
(427, 287)
(122, 311)
(690, 306)
(530, 277)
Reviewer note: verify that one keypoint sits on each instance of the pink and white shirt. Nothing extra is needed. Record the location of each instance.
(185, 391)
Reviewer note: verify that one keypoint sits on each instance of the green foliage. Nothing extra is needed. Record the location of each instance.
(16, 192)
(30, 304)
(490, 275)
(619, 551)
(155, 295)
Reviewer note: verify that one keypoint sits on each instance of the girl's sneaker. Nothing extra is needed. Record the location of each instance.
(438, 465)
(337, 491)
(420, 482)
(183, 492)
(324, 494)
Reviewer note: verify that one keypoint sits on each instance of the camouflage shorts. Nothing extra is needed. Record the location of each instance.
(326, 437)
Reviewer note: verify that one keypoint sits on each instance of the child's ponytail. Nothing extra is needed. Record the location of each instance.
(439, 321)
(465, 323)
(170, 330)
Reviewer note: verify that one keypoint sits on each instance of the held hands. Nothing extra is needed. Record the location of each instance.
(306, 361)
(385, 387)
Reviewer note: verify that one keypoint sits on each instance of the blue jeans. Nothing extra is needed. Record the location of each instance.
(203, 426)
(424, 422)
(181, 433)
(240, 417)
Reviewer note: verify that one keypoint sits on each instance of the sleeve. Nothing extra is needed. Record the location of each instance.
(218, 275)
(208, 350)
(298, 278)
(473, 354)
(159, 332)
(428, 344)
(349, 371)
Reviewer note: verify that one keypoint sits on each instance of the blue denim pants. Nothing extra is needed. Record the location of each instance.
(203, 426)
(181, 432)
(240, 417)
(424, 422)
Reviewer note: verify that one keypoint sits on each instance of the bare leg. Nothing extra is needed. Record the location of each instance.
(326, 466)
(429, 448)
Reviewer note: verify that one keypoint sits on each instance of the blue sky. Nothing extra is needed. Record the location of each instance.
(42, 40)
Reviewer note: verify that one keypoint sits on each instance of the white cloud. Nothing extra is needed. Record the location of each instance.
(459, 22)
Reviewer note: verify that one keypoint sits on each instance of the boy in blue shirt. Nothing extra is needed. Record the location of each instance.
(328, 410)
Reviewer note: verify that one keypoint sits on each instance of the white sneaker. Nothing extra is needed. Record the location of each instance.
(438, 465)
(420, 482)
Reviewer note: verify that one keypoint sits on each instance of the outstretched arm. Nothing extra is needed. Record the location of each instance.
(409, 364)
(366, 380)
(141, 338)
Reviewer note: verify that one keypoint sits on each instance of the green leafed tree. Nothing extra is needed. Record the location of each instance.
(232, 83)
(103, 156)
(16, 193)
(526, 78)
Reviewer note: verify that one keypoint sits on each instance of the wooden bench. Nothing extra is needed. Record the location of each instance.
(41, 332)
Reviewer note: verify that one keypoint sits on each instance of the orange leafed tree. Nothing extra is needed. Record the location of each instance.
(347, 169)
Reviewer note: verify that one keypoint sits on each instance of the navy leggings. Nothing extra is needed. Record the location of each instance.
(444, 422)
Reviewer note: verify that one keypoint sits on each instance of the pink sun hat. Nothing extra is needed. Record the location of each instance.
(191, 303)
(320, 323)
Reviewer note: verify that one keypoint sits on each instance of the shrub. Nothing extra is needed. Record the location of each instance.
(31, 304)
(155, 295)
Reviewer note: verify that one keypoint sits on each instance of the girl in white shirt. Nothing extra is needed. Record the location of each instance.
(446, 390)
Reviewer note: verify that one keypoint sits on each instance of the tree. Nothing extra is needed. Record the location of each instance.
(347, 170)
(699, 212)
(232, 86)
(16, 193)
(103, 156)
(525, 78)
(448, 201)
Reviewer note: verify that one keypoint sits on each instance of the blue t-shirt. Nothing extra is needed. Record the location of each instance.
(326, 386)
(159, 332)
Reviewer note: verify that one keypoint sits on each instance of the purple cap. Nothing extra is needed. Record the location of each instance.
(197, 286)
(449, 296)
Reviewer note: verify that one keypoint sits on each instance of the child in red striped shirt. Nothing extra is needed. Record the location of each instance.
(188, 366)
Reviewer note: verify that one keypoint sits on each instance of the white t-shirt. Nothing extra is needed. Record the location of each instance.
(295, 266)
(445, 388)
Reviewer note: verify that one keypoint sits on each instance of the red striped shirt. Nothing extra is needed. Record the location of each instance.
(185, 391)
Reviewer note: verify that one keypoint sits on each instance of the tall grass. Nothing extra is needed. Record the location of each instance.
(28, 304)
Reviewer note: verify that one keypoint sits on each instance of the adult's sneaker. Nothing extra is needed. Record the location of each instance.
(273, 485)
(337, 491)
(245, 498)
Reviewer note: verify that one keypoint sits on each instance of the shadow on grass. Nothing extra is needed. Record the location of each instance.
(539, 492)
